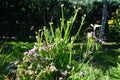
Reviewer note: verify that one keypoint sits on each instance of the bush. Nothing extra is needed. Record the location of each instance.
(54, 56)
(114, 27)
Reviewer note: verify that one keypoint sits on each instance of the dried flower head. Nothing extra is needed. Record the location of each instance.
(52, 68)
(62, 5)
(68, 67)
(64, 73)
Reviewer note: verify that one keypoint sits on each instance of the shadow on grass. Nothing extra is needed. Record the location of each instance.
(108, 56)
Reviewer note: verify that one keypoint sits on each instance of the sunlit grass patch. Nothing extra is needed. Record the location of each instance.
(11, 51)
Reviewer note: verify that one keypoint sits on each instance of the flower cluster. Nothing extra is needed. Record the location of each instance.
(48, 69)
(32, 52)
(45, 48)
(93, 36)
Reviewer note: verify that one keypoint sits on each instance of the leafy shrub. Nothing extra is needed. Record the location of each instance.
(52, 56)
(115, 27)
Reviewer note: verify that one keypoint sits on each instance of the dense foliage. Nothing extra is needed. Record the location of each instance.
(22, 18)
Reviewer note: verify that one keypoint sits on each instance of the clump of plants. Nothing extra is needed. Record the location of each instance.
(114, 26)
(54, 57)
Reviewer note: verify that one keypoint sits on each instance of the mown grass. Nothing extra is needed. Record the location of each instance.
(108, 55)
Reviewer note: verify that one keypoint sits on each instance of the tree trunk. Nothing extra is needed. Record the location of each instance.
(104, 19)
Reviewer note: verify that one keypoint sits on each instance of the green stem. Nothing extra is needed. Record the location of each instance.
(70, 49)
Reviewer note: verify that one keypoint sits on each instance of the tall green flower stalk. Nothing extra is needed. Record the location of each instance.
(82, 71)
(63, 41)
(74, 38)
(53, 51)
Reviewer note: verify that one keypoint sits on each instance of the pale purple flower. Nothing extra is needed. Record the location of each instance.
(32, 59)
(82, 73)
(40, 59)
(32, 51)
(26, 53)
(35, 55)
(89, 34)
(93, 36)
(100, 41)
